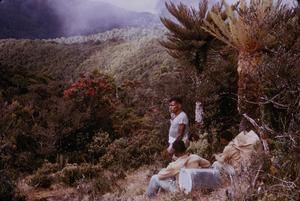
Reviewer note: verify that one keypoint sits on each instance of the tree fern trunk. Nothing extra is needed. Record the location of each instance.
(249, 88)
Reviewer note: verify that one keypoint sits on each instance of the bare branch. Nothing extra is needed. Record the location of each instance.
(256, 176)
(260, 131)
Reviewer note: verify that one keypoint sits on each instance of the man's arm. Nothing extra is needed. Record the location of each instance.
(172, 170)
(180, 131)
(168, 172)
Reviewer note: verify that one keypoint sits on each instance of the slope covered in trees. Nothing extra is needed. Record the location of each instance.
(80, 112)
(140, 77)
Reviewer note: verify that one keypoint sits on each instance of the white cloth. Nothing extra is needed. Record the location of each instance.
(185, 161)
(166, 178)
(241, 150)
(181, 118)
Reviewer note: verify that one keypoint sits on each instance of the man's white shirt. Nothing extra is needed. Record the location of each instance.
(181, 118)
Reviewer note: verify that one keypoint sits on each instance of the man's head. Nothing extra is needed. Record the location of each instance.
(175, 105)
(179, 147)
(225, 137)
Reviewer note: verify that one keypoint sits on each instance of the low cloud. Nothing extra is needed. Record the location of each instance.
(55, 18)
(135, 5)
(89, 16)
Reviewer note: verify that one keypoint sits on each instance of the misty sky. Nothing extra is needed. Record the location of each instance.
(148, 5)
(135, 5)
(151, 5)
(72, 17)
(80, 15)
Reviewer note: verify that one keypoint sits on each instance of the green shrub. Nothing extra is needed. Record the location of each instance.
(143, 147)
(98, 147)
(200, 147)
(73, 173)
(280, 72)
(91, 103)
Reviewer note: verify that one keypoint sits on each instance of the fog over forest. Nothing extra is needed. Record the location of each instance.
(56, 18)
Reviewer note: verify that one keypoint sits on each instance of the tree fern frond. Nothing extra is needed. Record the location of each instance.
(186, 38)
(214, 31)
(203, 7)
(249, 27)
(177, 30)
(218, 21)
(228, 10)
(181, 13)
(242, 4)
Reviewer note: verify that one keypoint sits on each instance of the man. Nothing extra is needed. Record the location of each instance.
(179, 128)
(166, 178)
(240, 151)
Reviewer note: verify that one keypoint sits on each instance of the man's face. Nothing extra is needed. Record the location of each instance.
(174, 107)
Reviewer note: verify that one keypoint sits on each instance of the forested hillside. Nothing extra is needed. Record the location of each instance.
(86, 117)
(140, 77)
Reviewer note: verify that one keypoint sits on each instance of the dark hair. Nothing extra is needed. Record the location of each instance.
(176, 99)
(179, 146)
(226, 135)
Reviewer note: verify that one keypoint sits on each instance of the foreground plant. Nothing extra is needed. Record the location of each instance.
(186, 39)
(252, 29)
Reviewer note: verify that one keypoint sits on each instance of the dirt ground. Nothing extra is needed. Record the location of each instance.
(132, 188)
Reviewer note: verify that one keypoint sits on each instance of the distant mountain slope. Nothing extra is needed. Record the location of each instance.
(124, 34)
(52, 59)
(135, 56)
(36, 19)
(121, 52)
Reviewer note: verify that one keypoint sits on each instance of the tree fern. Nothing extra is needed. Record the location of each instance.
(186, 39)
(250, 27)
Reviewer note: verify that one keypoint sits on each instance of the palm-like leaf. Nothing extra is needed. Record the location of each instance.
(249, 27)
(186, 39)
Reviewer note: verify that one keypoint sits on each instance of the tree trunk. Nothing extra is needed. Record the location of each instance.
(249, 88)
(199, 113)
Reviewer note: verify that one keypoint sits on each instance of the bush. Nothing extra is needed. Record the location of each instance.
(7, 186)
(86, 177)
(132, 152)
(73, 173)
(200, 147)
(98, 147)
(90, 103)
(280, 74)
(140, 141)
